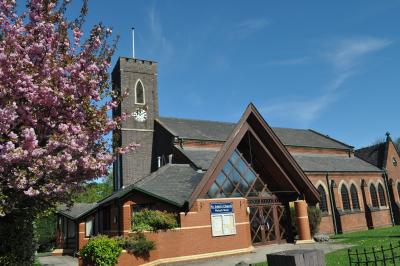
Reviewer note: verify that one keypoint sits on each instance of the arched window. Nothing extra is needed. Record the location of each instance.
(323, 206)
(354, 197)
(374, 196)
(398, 188)
(345, 198)
(139, 93)
(382, 198)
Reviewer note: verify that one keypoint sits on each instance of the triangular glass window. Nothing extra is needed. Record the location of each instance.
(237, 179)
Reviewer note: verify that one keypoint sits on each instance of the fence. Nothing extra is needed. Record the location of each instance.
(375, 256)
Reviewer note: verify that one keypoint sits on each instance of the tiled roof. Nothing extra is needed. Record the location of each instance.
(200, 157)
(220, 131)
(173, 183)
(76, 210)
(374, 154)
(332, 163)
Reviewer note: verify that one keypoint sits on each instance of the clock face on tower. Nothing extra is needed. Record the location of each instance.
(140, 115)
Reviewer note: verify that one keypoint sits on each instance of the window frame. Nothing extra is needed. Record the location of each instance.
(143, 90)
(323, 200)
(382, 196)
(346, 199)
(372, 186)
(92, 219)
(354, 198)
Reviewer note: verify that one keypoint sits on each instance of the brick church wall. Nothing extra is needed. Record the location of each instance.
(354, 220)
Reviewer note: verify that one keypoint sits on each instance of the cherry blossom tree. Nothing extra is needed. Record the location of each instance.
(54, 104)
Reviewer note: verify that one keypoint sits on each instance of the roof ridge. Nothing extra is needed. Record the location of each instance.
(330, 138)
(198, 120)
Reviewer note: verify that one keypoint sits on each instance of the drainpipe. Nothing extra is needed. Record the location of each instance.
(385, 178)
(333, 212)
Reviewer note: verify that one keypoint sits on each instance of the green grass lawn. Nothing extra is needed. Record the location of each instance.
(364, 239)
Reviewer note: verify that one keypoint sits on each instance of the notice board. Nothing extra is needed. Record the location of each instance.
(222, 219)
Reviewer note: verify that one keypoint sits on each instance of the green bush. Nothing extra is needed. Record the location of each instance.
(46, 232)
(153, 220)
(138, 245)
(314, 218)
(102, 251)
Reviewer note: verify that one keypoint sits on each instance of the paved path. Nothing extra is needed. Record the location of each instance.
(259, 254)
(58, 261)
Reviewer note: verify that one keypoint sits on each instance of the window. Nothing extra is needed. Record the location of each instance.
(345, 198)
(394, 161)
(374, 196)
(354, 197)
(382, 198)
(89, 227)
(139, 93)
(237, 179)
(398, 188)
(323, 206)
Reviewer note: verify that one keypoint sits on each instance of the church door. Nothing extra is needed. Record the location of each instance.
(268, 223)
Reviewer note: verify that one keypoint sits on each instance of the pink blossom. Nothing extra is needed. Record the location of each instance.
(55, 103)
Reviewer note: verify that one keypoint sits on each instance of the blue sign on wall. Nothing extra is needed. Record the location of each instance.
(221, 207)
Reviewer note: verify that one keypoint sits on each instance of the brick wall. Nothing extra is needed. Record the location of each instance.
(194, 237)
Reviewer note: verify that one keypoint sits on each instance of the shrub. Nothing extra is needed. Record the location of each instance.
(153, 220)
(101, 251)
(138, 245)
(314, 218)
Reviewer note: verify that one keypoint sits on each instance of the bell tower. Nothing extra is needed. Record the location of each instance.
(139, 79)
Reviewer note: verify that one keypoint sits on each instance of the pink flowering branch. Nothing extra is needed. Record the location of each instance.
(54, 100)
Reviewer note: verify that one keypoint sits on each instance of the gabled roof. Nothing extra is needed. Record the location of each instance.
(252, 121)
(202, 158)
(220, 131)
(77, 210)
(331, 163)
(375, 154)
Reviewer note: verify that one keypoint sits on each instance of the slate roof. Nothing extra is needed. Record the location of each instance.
(220, 131)
(76, 210)
(173, 183)
(201, 157)
(332, 163)
(374, 154)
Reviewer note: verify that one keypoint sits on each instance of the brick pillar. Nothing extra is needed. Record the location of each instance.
(126, 219)
(302, 222)
(81, 235)
(338, 197)
(366, 192)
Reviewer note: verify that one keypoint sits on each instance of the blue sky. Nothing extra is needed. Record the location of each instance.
(330, 66)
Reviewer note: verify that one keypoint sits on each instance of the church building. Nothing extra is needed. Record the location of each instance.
(193, 167)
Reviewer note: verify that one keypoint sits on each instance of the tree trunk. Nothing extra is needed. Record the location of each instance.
(17, 245)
